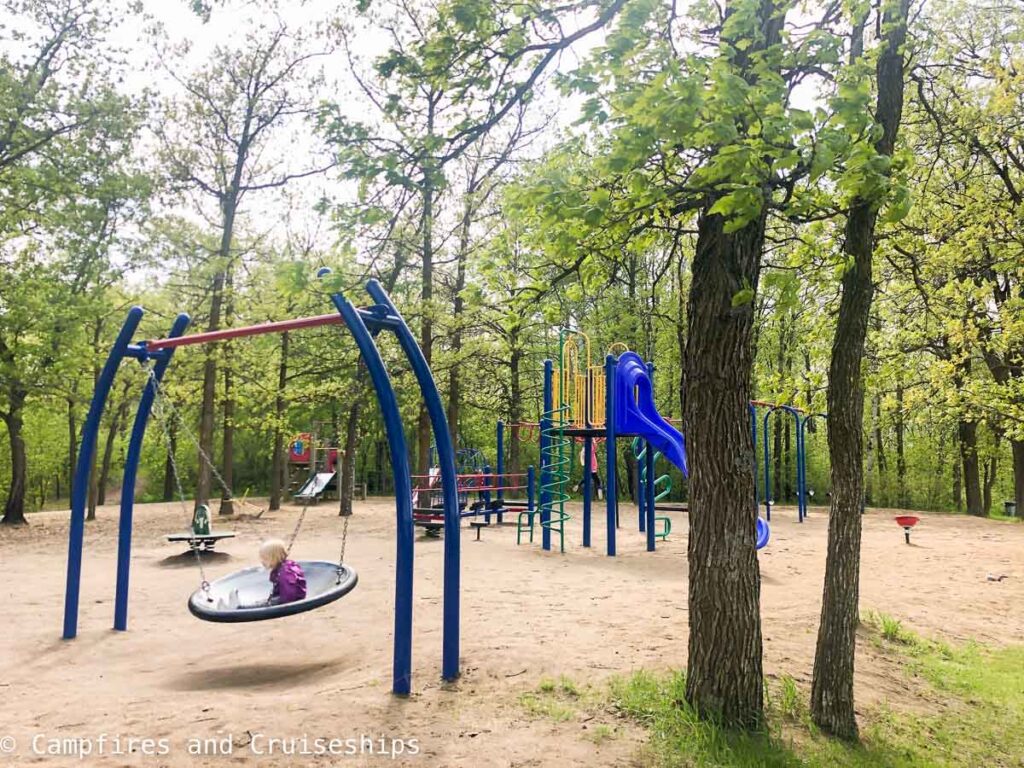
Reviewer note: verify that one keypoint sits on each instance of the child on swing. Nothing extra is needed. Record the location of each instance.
(286, 575)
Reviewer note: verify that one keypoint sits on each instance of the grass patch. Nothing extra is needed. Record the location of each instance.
(890, 628)
(600, 733)
(979, 723)
(554, 699)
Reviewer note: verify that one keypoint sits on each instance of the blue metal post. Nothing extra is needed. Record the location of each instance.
(545, 457)
(790, 411)
(80, 484)
(649, 491)
(753, 443)
(641, 480)
(501, 470)
(801, 472)
(610, 490)
(588, 486)
(767, 469)
(449, 482)
(131, 467)
(401, 682)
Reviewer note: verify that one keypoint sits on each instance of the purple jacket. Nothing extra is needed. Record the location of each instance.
(289, 583)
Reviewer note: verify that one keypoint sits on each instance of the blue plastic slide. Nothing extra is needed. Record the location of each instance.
(636, 413)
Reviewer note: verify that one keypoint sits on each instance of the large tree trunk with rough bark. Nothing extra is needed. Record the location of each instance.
(832, 688)
(832, 697)
(724, 675)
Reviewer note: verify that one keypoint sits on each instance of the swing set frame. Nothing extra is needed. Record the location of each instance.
(364, 324)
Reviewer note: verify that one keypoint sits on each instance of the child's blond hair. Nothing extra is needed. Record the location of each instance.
(273, 553)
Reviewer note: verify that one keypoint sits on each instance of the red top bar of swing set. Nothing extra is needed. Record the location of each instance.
(279, 326)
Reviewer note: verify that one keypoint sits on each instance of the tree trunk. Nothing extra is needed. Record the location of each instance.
(14, 509)
(832, 703)
(348, 457)
(227, 505)
(968, 431)
(876, 417)
(832, 689)
(724, 676)
(901, 459)
(94, 490)
(279, 461)
(117, 418)
(72, 439)
(990, 468)
(206, 410)
(515, 407)
(423, 432)
(680, 328)
(1018, 474)
(458, 307)
(958, 485)
(170, 483)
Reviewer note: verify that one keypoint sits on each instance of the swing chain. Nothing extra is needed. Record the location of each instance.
(344, 538)
(160, 414)
(161, 419)
(229, 495)
(298, 527)
(161, 402)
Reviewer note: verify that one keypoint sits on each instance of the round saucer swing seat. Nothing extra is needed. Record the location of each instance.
(325, 583)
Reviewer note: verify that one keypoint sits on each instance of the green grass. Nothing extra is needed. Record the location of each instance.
(559, 700)
(976, 694)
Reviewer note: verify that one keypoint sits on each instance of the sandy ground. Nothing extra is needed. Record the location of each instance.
(527, 614)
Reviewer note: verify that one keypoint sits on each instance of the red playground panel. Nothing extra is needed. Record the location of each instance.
(301, 447)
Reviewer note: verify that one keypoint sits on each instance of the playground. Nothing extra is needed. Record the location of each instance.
(604, 383)
(326, 673)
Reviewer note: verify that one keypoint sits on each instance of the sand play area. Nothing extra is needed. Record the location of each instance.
(257, 692)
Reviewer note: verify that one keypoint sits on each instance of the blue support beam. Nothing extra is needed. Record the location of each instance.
(449, 481)
(401, 682)
(546, 426)
(610, 489)
(501, 471)
(83, 468)
(588, 486)
(131, 467)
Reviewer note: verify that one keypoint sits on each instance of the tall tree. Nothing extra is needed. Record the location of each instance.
(65, 181)
(222, 143)
(451, 74)
(832, 688)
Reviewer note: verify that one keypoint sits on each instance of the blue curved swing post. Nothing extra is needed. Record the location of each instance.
(802, 441)
(801, 499)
